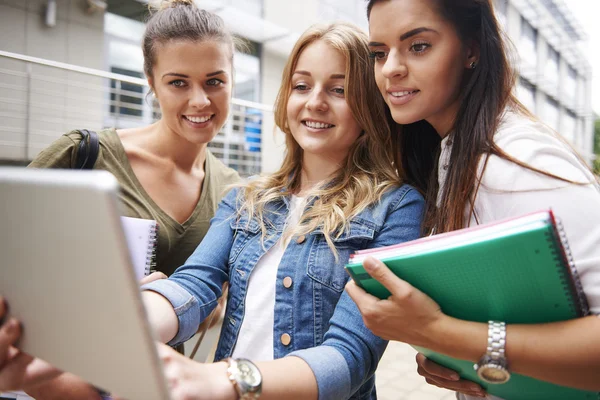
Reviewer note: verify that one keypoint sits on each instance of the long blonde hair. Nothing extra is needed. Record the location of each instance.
(367, 172)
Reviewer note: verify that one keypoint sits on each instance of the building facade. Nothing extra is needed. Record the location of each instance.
(554, 75)
(67, 64)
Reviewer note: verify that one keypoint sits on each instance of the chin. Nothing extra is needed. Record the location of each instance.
(404, 118)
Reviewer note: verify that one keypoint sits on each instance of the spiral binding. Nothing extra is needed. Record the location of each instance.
(571, 281)
(151, 252)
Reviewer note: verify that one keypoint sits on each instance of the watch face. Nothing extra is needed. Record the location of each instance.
(493, 374)
(248, 373)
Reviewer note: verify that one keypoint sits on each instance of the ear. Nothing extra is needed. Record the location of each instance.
(473, 54)
(151, 84)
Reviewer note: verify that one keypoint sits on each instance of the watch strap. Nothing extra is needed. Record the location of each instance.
(496, 348)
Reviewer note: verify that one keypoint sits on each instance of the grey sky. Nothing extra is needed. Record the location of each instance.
(587, 12)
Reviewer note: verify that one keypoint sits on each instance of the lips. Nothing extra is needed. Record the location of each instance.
(401, 96)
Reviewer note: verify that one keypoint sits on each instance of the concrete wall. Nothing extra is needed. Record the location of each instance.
(59, 100)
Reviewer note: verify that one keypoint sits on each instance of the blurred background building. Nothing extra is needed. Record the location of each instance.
(68, 64)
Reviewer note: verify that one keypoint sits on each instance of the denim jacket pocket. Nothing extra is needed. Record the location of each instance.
(244, 230)
(322, 264)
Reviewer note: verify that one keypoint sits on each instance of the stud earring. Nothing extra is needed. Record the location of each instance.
(473, 65)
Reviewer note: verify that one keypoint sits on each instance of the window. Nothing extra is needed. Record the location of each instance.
(126, 98)
(552, 63)
(569, 129)
(528, 44)
(551, 114)
(526, 93)
(570, 89)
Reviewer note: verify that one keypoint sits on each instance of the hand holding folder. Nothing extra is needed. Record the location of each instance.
(518, 271)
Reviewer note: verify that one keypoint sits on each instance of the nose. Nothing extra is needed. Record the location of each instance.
(317, 100)
(199, 98)
(394, 66)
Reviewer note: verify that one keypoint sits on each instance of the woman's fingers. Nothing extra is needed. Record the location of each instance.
(10, 332)
(445, 378)
(431, 368)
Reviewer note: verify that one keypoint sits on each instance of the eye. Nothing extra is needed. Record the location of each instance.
(301, 87)
(338, 90)
(419, 47)
(214, 82)
(177, 83)
(378, 55)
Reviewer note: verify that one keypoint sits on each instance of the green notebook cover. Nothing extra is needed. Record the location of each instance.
(522, 277)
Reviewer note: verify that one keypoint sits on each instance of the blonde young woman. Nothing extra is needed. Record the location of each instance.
(281, 242)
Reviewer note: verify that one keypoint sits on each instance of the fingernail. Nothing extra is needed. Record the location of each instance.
(370, 265)
(455, 377)
(11, 325)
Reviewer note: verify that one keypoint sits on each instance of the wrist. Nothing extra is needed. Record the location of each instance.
(461, 339)
(224, 388)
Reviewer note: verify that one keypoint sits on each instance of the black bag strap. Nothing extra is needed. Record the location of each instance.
(88, 150)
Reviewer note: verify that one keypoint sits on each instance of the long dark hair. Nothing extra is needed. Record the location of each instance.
(485, 96)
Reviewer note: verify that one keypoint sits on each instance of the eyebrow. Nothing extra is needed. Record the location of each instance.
(185, 76)
(414, 32)
(405, 36)
(333, 76)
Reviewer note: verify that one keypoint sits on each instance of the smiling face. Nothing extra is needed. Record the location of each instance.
(318, 115)
(192, 82)
(420, 61)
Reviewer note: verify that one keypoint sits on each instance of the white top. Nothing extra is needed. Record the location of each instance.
(255, 340)
(509, 190)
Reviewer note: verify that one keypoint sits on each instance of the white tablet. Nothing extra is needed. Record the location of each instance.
(67, 276)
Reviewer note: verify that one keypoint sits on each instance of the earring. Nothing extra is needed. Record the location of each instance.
(473, 65)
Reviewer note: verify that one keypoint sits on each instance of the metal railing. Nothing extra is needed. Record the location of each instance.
(42, 99)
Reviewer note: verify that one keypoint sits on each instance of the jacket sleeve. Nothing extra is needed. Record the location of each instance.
(195, 287)
(350, 352)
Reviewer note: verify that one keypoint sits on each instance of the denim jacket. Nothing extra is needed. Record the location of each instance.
(324, 324)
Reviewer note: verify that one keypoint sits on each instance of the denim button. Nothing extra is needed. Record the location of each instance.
(301, 239)
(286, 339)
(287, 282)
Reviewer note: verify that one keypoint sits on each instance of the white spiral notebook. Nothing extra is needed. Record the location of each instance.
(142, 237)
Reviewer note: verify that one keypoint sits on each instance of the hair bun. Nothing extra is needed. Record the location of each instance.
(164, 4)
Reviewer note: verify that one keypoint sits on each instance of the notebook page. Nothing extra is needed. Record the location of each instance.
(141, 240)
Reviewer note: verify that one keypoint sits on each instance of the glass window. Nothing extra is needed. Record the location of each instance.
(526, 94)
(552, 63)
(571, 83)
(528, 43)
(569, 129)
(551, 115)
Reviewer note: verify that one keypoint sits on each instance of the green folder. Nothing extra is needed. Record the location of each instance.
(518, 271)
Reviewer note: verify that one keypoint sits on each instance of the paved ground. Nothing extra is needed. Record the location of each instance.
(397, 377)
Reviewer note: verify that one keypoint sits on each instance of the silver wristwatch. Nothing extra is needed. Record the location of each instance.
(246, 378)
(493, 367)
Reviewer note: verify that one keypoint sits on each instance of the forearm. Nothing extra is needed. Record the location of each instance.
(566, 353)
(287, 378)
(161, 315)
(65, 386)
